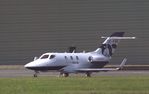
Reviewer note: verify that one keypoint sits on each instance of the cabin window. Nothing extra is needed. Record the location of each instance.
(77, 57)
(71, 57)
(52, 56)
(45, 57)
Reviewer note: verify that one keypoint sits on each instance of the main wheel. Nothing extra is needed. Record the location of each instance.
(65, 74)
(88, 74)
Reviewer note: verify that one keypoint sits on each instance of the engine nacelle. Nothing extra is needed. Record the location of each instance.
(93, 59)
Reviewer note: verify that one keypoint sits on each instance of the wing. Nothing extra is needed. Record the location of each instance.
(103, 69)
(75, 68)
(97, 69)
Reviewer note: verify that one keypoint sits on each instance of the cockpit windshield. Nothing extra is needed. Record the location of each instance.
(47, 56)
(44, 57)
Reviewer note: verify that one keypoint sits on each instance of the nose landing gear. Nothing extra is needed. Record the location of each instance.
(36, 74)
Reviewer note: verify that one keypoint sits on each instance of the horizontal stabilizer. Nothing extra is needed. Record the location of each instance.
(119, 37)
(109, 46)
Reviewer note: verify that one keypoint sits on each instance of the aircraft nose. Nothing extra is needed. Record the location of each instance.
(29, 65)
(36, 65)
(26, 65)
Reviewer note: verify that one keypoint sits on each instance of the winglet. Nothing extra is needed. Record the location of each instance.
(122, 64)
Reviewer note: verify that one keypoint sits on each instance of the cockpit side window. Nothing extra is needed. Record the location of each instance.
(52, 56)
(45, 57)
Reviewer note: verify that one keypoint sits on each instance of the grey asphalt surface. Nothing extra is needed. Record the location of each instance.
(28, 73)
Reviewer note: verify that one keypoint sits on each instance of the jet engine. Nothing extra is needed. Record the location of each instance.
(95, 59)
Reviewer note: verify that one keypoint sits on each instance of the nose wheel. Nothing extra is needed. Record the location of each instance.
(36, 74)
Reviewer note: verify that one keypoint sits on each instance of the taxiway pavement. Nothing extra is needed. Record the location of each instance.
(8, 73)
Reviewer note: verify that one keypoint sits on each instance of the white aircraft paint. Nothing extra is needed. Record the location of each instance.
(83, 62)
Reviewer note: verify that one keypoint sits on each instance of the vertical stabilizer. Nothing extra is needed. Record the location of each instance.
(110, 44)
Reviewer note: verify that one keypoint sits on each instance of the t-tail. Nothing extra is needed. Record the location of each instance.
(109, 46)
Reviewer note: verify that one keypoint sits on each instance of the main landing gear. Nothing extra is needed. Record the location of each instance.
(88, 74)
(64, 74)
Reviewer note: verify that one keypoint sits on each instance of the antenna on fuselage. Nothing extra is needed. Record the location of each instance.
(84, 51)
(72, 49)
(35, 58)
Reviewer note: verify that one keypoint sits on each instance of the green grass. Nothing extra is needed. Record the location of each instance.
(75, 85)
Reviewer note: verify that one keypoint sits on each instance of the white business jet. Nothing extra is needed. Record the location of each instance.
(84, 62)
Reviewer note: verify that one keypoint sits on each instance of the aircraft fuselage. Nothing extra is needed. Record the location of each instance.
(60, 60)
